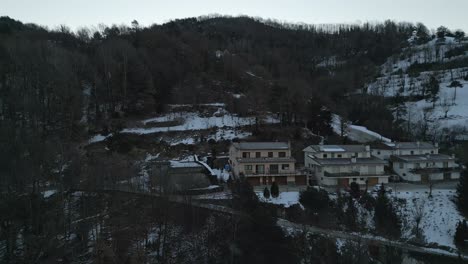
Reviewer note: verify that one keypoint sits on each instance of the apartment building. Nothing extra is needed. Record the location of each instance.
(340, 165)
(263, 163)
(385, 150)
(424, 168)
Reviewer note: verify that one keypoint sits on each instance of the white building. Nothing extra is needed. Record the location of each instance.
(263, 163)
(385, 150)
(424, 168)
(340, 165)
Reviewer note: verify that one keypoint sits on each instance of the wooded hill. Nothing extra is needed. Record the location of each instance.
(57, 85)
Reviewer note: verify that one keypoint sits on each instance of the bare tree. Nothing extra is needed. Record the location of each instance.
(446, 105)
(418, 216)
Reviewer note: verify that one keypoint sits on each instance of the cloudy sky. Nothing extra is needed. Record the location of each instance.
(433, 13)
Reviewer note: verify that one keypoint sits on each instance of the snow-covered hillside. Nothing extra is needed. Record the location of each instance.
(187, 126)
(450, 109)
(439, 215)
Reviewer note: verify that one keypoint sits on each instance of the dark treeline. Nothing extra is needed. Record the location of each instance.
(57, 87)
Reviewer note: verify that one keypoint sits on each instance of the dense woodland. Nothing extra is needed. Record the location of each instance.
(58, 87)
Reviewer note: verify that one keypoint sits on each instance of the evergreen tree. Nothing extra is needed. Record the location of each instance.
(386, 219)
(354, 190)
(274, 190)
(461, 198)
(351, 215)
(433, 87)
(461, 234)
(266, 193)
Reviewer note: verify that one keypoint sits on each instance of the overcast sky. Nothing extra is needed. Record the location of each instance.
(74, 13)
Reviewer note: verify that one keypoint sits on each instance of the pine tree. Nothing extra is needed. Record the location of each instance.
(461, 234)
(461, 198)
(433, 87)
(266, 193)
(386, 219)
(274, 190)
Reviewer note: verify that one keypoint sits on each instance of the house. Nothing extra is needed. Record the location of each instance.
(340, 165)
(263, 163)
(426, 167)
(385, 150)
(176, 176)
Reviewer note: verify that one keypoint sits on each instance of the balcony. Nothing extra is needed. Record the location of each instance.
(273, 174)
(434, 170)
(352, 174)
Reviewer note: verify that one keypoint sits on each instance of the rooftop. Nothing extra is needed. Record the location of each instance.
(421, 158)
(405, 145)
(341, 161)
(335, 148)
(184, 164)
(265, 160)
(261, 145)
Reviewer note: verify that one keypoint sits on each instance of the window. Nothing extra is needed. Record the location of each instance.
(378, 152)
(285, 166)
(361, 179)
(281, 154)
(258, 154)
(417, 165)
(248, 168)
(447, 175)
(274, 169)
(356, 155)
(401, 165)
(412, 152)
(445, 164)
(432, 152)
(333, 155)
(270, 154)
(339, 155)
(354, 179)
(246, 154)
(325, 156)
(259, 168)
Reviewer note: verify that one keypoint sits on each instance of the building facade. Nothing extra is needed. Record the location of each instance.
(263, 163)
(385, 150)
(340, 165)
(425, 168)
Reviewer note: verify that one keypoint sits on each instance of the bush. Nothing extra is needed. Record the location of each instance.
(314, 200)
(274, 190)
(461, 234)
(266, 193)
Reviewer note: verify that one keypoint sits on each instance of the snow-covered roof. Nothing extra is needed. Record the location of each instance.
(422, 158)
(335, 148)
(184, 164)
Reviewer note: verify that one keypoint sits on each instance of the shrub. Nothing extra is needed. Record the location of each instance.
(274, 190)
(266, 193)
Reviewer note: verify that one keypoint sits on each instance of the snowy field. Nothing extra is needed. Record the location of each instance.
(356, 133)
(221, 124)
(285, 198)
(395, 81)
(440, 215)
